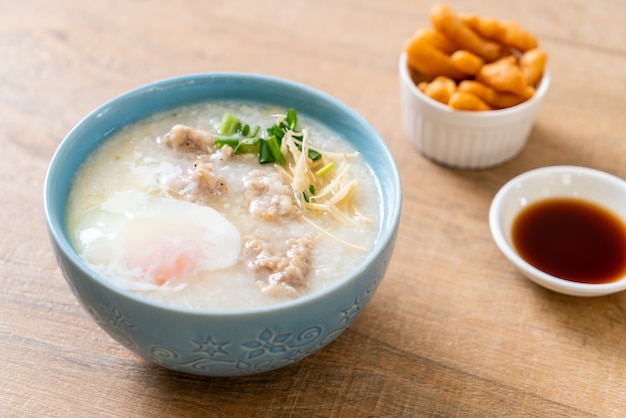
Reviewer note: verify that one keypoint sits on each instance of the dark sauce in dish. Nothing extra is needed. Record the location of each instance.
(572, 239)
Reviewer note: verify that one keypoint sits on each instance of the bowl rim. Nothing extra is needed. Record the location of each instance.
(538, 276)
(407, 81)
(387, 232)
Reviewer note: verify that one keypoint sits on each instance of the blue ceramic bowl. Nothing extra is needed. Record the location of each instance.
(214, 343)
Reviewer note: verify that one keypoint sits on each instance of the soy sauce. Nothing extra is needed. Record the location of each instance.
(572, 239)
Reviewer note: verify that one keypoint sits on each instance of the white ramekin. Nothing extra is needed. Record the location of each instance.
(594, 186)
(465, 139)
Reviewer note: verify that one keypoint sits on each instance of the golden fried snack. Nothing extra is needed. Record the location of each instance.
(436, 39)
(496, 63)
(467, 101)
(505, 76)
(487, 27)
(516, 37)
(440, 89)
(493, 98)
(532, 63)
(450, 25)
(467, 62)
(430, 61)
(506, 32)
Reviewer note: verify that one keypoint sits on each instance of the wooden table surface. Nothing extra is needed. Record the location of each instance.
(454, 329)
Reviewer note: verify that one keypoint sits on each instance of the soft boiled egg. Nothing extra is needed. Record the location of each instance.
(144, 242)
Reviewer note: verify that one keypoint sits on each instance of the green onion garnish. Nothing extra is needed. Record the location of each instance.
(229, 124)
(248, 146)
(291, 119)
(265, 155)
(325, 169)
(314, 155)
(274, 147)
(246, 140)
(226, 140)
(255, 131)
(276, 131)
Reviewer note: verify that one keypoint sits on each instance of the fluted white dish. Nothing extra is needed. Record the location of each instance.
(595, 186)
(465, 139)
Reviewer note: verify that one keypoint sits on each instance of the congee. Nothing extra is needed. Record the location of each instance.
(224, 205)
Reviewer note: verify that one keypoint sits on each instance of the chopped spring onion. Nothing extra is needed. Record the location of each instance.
(265, 155)
(239, 146)
(231, 141)
(311, 193)
(291, 119)
(277, 131)
(246, 140)
(325, 169)
(248, 146)
(254, 132)
(229, 124)
(313, 155)
(274, 148)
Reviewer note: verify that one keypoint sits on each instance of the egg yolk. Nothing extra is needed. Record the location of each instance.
(169, 262)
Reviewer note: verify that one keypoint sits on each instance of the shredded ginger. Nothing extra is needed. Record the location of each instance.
(322, 186)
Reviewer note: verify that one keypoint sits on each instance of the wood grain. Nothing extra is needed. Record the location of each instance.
(454, 329)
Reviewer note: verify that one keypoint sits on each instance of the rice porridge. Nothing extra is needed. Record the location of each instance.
(224, 206)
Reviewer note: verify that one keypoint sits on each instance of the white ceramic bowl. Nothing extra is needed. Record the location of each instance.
(464, 139)
(603, 189)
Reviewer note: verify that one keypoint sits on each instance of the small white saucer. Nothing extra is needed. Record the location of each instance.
(601, 188)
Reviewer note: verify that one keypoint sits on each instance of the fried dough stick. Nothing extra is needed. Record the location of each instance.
(452, 27)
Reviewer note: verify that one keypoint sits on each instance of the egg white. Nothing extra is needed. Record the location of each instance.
(143, 242)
